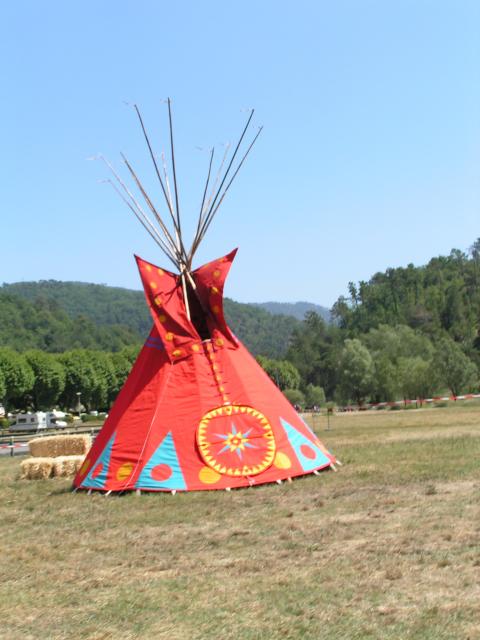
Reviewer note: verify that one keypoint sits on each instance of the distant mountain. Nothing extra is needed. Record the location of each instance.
(57, 316)
(295, 309)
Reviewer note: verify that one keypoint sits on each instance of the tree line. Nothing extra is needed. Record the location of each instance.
(406, 333)
(39, 380)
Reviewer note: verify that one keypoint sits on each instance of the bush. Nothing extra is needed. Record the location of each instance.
(4, 423)
(295, 396)
(88, 418)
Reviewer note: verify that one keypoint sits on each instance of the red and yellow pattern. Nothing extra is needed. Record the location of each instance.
(236, 440)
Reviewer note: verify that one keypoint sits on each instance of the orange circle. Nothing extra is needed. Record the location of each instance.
(125, 471)
(161, 272)
(169, 336)
(216, 273)
(195, 347)
(162, 318)
(208, 475)
(282, 461)
(85, 466)
(219, 342)
(177, 352)
(153, 284)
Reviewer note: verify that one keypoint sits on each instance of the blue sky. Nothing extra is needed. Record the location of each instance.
(369, 158)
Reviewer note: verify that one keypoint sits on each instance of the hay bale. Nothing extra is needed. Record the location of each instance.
(37, 468)
(62, 445)
(67, 466)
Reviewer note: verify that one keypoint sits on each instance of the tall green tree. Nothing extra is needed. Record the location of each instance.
(18, 378)
(417, 378)
(295, 396)
(314, 396)
(122, 367)
(3, 386)
(49, 379)
(314, 351)
(454, 368)
(80, 377)
(356, 371)
(282, 372)
(105, 379)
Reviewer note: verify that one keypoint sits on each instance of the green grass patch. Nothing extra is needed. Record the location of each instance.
(386, 548)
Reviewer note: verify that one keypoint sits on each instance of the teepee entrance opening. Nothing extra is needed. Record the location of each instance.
(198, 315)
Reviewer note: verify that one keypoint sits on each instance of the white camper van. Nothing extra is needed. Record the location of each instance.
(38, 421)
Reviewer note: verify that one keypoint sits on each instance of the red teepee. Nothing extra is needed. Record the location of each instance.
(197, 411)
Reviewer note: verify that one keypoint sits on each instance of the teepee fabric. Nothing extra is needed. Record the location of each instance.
(197, 412)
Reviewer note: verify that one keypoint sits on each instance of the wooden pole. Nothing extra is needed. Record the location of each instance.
(212, 214)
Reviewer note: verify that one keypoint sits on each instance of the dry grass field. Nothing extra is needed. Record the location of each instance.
(387, 548)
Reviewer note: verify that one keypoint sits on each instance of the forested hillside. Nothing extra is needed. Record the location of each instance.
(407, 333)
(56, 316)
(295, 309)
(440, 297)
(42, 324)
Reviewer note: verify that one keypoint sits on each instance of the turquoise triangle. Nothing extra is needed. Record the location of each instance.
(162, 471)
(309, 455)
(95, 480)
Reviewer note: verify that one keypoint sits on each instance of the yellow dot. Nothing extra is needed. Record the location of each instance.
(225, 398)
(158, 301)
(125, 471)
(282, 461)
(169, 336)
(208, 476)
(214, 366)
(153, 284)
(148, 267)
(216, 273)
(162, 318)
(219, 342)
(214, 290)
(216, 308)
(221, 389)
(177, 352)
(85, 466)
(161, 272)
(195, 348)
(218, 377)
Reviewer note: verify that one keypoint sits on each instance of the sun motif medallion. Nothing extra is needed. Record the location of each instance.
(236, 440)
